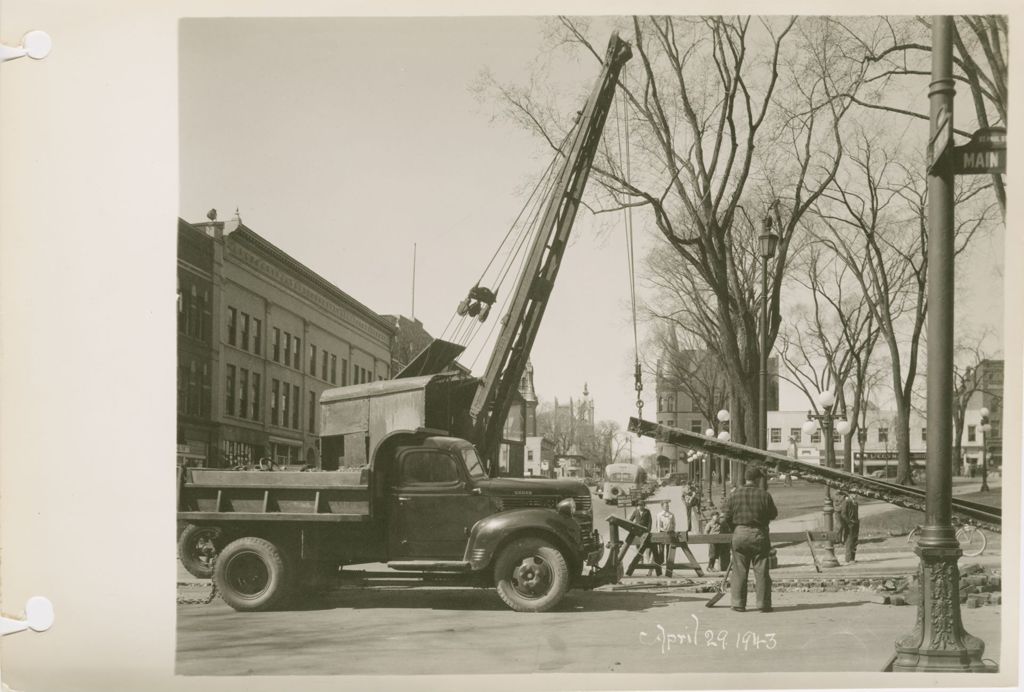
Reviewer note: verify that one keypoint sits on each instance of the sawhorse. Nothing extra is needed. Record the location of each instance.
(643, 539)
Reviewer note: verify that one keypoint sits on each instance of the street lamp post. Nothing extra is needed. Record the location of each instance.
(829, 423)
(723, 434)
(768, 242)
(984, 427)
(710, 432)
(938, 641)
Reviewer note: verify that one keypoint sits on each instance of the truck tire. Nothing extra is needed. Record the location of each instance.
(198, 547)
(253, 574)
(531, 575)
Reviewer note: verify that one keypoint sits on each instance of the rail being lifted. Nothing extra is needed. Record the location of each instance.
(909, 497)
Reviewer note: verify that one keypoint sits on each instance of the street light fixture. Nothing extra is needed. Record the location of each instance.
(769, 241)
(710, 432)
(724, 417)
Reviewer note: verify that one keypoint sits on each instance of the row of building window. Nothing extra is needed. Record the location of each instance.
(245, 331)
(194, 311)
(242, 393)
(194, 386)
(242, 399)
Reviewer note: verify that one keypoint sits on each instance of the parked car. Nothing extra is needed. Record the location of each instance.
(675, 479)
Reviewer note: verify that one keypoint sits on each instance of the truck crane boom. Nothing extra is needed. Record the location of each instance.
(500, 381)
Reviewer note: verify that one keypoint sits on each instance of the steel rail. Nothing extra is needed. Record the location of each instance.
(909, 497)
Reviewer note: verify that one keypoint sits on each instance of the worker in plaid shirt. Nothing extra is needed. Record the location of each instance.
(749, 511)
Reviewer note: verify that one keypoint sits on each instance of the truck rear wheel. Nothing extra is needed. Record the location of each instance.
(253, 574)
(198, 547)
(531, 575)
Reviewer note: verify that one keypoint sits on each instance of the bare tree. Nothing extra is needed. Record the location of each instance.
(683, 339)
(828, 344)
(896, 50)
(719, 114)
(559, 429)
(876, 224)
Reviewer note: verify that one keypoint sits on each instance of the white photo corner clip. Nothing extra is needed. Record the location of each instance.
(38, 617)
(34, 44)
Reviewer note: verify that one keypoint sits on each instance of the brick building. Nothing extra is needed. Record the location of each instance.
(279, 335)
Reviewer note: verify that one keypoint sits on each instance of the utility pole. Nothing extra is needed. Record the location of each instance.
(939, 642)
(413, 281)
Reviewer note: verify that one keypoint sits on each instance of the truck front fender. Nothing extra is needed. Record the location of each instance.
(491, 532)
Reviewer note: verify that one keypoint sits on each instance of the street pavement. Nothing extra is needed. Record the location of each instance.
(405, 631)
(644, 625)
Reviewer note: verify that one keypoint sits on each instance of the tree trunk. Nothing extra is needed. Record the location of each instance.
(848, 439)
(903, 474)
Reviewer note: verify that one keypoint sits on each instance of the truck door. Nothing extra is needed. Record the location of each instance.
(433, 506)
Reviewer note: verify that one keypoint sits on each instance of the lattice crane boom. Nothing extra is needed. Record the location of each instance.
(500, 380)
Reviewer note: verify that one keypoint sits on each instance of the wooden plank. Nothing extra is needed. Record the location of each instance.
(643, 543)
(216, 478)
(909, 497)
(272, 516)
(266, 501)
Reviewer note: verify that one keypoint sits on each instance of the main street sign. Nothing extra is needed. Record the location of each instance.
(985, 153)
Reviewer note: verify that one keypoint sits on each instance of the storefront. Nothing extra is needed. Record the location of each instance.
(286, 452)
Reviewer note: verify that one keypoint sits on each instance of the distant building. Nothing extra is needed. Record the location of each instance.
(682, 398)
(571, 429)
(990, 376)
(272, 335)
(540, 457)
(196, 427)
(520, 427)
(410, 338)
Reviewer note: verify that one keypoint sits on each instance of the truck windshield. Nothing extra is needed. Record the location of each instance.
(473, 463)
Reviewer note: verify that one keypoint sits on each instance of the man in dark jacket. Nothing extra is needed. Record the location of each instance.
(849, 524)
(749, 510)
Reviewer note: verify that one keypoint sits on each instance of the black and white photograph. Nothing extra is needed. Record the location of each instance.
(513, 358)
(668, 350)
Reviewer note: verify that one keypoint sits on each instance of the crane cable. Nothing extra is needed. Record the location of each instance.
(623, 136)
(466, 327)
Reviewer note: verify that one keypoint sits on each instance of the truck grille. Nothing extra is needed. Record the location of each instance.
(520, 501)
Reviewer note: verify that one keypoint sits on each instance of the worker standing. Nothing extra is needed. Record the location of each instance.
(749, 510)
(849, 525)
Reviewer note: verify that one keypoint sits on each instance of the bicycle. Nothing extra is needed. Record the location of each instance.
(972, 539)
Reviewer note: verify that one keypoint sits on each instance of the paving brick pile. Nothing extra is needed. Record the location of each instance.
(978, 587)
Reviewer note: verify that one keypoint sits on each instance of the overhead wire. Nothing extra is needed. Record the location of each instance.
(534, 226)
(624, 156)
(468, 328)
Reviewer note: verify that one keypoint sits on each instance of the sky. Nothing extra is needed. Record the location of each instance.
(346, 141)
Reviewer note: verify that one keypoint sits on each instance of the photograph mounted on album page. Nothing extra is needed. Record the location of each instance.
(650, 351)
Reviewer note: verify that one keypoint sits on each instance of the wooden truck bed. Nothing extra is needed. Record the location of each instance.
(317, 496)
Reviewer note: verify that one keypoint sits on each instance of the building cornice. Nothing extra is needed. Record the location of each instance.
(251, 249)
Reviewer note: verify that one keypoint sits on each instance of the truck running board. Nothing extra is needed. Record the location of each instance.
(909, 497)
(431, 566)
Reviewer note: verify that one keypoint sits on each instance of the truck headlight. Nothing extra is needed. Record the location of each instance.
(567, 506)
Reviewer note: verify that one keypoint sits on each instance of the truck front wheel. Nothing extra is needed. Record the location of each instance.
(253, 574)
(531, 575)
